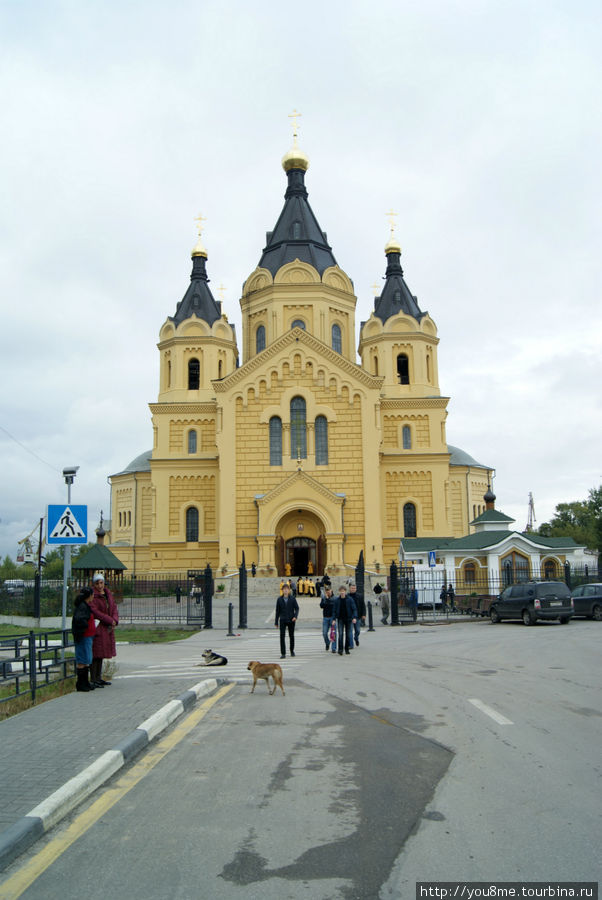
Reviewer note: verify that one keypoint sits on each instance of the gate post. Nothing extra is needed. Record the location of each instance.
(567, 574)
(394, 584)
(208, 596)
(242, 593)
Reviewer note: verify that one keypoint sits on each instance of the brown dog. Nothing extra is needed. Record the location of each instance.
(264, 670)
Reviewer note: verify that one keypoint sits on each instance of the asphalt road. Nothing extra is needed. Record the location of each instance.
(462, 752)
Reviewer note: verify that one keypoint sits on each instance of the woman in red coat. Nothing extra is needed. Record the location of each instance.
(104, 608)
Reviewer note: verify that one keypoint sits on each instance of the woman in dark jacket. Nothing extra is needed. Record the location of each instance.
(105, 610)
(83, 628)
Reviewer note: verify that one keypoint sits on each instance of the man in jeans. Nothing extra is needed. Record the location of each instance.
(287, 611)
(346, 614)
(327, 606)
(361, 611)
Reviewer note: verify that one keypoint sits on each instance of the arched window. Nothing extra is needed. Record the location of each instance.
(321, 429)
(403, 369)
(298, 428)
(375, 365)
(169, 373)
(275, 441)
(194, 375)
(298, 323)
(428, 367)
(409, 520)
(406, 437)
(337, 344)
(129, 517)
(296, 230)
(549, 569)
(470, 574)
(260, 339)
(120, 520)
(192, 441)
(220, 367)
(192, 524)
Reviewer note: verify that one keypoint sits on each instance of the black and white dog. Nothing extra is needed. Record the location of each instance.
(213, 659)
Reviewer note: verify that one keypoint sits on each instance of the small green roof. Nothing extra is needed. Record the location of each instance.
(99, 557)
(491, 515)
(481, 540)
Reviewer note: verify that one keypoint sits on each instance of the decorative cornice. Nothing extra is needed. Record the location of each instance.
(305, 479)
(309, 342)
(182, 408)
(414, 403)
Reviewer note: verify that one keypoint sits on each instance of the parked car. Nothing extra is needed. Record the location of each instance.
(14, 586)
(534, 600)
(588, 601)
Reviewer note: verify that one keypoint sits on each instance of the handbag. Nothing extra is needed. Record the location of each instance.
(332, 632)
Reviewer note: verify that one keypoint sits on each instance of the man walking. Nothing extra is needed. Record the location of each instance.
(360, 606)
(346, 614)
(327, 604)
(287, 611)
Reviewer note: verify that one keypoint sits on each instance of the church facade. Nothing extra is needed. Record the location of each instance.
(288, 449)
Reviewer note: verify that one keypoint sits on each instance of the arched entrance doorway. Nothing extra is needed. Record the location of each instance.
(300, 544)
(300, 553)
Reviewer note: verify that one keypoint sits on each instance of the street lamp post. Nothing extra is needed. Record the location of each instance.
(69, 475)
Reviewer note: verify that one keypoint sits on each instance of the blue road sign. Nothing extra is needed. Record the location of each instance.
(67, 524)
(432, 558)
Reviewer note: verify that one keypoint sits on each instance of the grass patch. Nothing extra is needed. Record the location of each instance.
(44, 693)
(154, 635)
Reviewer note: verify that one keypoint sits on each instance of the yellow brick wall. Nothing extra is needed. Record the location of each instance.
(147, 513)
(392, 431)
(186, 489)
(416, 487)
(344, 470)
(178, 429)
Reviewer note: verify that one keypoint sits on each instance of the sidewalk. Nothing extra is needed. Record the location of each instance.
(47, 745)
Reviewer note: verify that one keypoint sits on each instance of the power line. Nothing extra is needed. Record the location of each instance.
(13, 438)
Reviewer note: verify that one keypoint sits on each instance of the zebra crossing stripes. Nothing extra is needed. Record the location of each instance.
(265, 647)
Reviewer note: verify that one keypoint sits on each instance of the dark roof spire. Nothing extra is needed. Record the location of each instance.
(297, 234)
(395, 296)
(198, 299)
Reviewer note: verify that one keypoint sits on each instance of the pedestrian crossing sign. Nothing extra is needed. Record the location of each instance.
(67, 524)
(432, 558)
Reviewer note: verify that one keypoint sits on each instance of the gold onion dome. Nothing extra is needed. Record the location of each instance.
(198, 249)
(295, 158)
(392, 246)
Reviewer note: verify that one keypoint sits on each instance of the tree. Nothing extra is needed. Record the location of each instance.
(581, 520)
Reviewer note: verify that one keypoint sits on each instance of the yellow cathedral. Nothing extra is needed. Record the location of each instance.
(297, 454)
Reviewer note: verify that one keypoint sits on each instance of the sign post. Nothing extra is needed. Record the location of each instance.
(67, 525)
(432, 564)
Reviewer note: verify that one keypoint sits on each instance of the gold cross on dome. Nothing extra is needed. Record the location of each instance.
(199, 219)
(221, 290)
(295, 115)
(391, 216)
(375, 287)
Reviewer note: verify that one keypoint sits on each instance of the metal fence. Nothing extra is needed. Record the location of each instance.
(28, 661)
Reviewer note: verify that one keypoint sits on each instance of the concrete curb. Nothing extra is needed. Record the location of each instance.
(29, 828)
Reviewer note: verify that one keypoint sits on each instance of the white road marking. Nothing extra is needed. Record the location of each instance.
(492, 713)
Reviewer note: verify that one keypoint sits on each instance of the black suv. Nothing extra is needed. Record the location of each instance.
(533, 600)
(588, 601)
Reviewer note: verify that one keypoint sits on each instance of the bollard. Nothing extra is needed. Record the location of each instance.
(370, 619)
(230, 620)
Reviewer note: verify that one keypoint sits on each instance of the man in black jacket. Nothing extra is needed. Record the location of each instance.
(346, 614)
(360, 606)
(287, 611)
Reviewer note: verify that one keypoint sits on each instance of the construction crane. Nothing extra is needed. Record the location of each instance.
(26, 552)
(531, 520)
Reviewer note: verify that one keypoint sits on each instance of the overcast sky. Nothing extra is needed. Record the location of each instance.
(478, 122)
